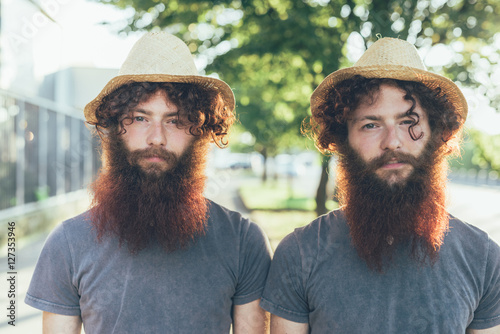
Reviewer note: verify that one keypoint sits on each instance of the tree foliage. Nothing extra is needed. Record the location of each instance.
(487, 157)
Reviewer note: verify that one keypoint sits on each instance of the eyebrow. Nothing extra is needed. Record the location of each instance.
(378, 118)
(149, 113)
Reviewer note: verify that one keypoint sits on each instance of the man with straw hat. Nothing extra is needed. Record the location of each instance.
(391, 259)
(153, 255)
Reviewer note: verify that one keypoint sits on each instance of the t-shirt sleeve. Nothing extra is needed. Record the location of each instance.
(284, 294)
(52, 288)
(254, 262)
(487, 314)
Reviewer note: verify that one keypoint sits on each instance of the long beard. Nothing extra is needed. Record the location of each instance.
(383, 215)
(142, 206)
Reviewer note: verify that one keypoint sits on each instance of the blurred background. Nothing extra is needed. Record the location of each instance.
(56, 55)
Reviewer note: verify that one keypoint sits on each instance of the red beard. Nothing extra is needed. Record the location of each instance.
(382, 215)
(142, 206)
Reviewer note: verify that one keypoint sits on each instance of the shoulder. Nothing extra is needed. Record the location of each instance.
(324, 235)
(324, 231)
(66, 242)
(222, 215)
(466, 229)
(80, 223)
(74, 236)
(478, 257)
(72, 232)
(467, 236)
(226, 221)
(230, 230)
(333, 221)
(471, 247)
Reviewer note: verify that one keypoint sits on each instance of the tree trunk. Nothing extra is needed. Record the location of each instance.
(264, 173)
(321, 192)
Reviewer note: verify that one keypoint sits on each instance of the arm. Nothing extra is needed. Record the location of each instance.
(492, 330)
(250, 318)
(61, 324)
(282, 326)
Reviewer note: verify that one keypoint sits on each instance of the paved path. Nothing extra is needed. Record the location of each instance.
(477, 205)
(28, 319)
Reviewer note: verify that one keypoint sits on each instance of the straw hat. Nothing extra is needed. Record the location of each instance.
(392, 58)
(159, 57)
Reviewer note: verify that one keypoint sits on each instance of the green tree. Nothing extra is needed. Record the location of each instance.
(486, 153)
(275, 52)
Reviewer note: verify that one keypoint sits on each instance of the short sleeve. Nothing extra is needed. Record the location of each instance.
(487, 314)
(254, 262)
(284, 293)
(51, 288)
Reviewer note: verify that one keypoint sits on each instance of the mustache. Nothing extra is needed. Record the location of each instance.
(153, 152)
(390, 156)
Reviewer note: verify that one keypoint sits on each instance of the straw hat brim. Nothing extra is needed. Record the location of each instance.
(398, 72)
(203, 81)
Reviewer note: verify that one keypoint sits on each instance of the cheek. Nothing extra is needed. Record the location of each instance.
(131, 138)
(180, 141)
(424, 128)
(417, 146)
(366, 149)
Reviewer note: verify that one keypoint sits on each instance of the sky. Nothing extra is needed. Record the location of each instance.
(76, 38)
(36, 46)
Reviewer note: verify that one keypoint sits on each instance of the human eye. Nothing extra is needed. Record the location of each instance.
(175, 120)
(172, 121)
(369, 126)
(408, 121)
(139, 119)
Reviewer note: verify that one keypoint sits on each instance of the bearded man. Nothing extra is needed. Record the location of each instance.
(153, 255)
(391, 259)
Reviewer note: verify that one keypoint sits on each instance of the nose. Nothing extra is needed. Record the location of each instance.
(157, 135)
(391, 140)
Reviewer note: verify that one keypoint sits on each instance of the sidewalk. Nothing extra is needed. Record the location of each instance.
(28, 319)
(476, 205)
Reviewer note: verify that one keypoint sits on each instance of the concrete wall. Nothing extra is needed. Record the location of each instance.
(44, 215)
(75, 86)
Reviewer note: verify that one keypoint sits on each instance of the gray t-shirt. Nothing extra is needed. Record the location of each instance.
(318, 278)
(186, 291)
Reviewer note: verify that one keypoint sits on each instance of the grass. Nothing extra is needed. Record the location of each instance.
(278, 208)
(276, 196)
(278, 224)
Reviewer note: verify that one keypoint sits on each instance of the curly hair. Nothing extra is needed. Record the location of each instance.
(205, 110)
(328, 123)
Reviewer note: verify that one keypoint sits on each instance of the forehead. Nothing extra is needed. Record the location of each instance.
(387, 101)
(156, 102)
(159, 96)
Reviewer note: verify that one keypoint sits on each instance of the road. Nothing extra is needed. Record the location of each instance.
(479, 206)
